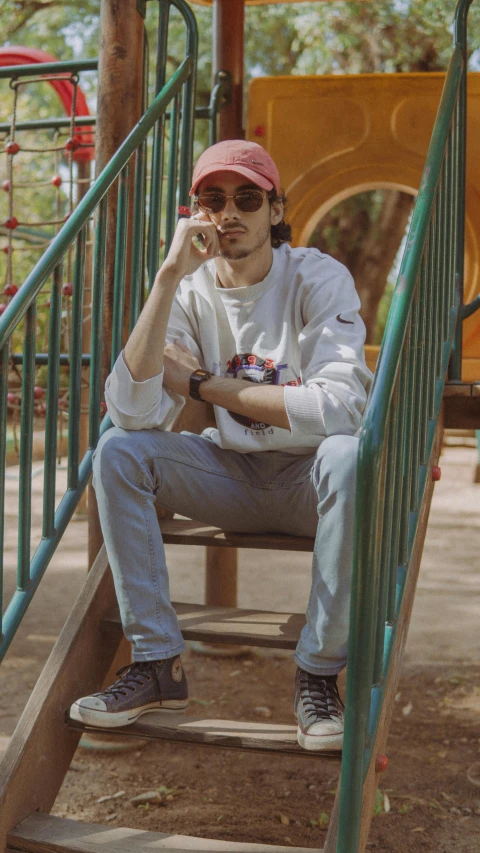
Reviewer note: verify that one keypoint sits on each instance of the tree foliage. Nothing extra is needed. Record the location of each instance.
(354, 37)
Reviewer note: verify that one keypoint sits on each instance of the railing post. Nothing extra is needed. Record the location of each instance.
(120, 81)
(83, 175)
(228, 55)
(460, 40)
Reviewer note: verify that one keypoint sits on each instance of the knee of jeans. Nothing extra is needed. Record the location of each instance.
(336, 462)
(114, 454)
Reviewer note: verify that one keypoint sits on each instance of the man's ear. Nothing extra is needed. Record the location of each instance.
(276, 212)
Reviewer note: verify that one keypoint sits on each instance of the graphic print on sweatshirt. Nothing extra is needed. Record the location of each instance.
(262, 371)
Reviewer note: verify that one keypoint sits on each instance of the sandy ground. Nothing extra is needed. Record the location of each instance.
(431, 748)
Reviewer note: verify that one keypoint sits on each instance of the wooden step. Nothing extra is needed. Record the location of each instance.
(228, 734)
(184, 531)
(461, 389)
(230, 625)
(43, 833)
(461, 405)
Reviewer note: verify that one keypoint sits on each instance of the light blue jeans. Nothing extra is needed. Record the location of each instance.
(261, 492)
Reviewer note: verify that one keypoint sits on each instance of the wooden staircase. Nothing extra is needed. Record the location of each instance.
(43, 833)
(45, 740)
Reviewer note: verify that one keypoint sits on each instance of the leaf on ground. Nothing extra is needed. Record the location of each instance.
(418, 829)
(284, 820)
(262, 711)
(386, 803)
(110, 797)
(379, 804)
(322, 821)
(436, 805)
(407, 709)
(473, 774)
(167, 792)
(199, 701)
(147, 798)
(448, 797)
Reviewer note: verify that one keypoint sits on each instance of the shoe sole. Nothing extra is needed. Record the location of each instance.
(117, 719)
(318, 743)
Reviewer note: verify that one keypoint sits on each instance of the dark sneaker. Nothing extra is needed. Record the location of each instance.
(319, 711)
(142, 688)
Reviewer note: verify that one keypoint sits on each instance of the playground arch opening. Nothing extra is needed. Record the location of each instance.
(365, 228)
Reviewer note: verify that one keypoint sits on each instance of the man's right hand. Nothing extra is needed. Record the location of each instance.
(184, 257)
(143, 352)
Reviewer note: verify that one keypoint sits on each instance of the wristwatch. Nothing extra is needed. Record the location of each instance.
(197, 377)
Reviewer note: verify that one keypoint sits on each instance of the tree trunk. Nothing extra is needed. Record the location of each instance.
(378, 253)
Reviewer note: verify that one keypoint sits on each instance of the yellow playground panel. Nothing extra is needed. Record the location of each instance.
(334, 136)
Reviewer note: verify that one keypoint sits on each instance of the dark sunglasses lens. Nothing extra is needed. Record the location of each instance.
(249, 202)
(212, 202)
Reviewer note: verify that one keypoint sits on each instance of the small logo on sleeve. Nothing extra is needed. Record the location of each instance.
(348, 322)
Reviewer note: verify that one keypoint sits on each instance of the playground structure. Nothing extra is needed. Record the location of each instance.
(361, 132)
(78, 149)
(399, 446)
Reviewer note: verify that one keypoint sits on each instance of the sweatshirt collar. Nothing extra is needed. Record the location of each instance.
(246, 294)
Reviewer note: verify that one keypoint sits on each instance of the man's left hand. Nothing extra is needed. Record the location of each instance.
(179, 364)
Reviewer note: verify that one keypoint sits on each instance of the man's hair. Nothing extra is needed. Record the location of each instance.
(282, 232)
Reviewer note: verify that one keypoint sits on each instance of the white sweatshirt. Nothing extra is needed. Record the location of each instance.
(298, 328)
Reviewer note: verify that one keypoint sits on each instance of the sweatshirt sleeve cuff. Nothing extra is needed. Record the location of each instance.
(130, 396)
(303, 411)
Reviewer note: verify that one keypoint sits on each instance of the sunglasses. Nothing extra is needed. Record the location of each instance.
(248, 201)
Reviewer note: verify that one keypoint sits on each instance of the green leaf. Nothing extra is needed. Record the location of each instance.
(379, 805)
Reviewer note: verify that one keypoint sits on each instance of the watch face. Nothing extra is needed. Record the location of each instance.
(201, 373)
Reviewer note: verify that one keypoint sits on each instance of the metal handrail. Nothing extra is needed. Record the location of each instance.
(423, 329)
(41, 69)
(22, 308)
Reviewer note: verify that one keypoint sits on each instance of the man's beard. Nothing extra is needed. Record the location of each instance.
(233, 253)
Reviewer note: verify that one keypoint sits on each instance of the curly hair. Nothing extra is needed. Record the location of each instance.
(282, 232)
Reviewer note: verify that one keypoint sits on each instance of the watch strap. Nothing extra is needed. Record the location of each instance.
(196, 379)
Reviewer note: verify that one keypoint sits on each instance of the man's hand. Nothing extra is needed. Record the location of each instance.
(184, 257)
(144, 350)
(260, 402)
(178, 364)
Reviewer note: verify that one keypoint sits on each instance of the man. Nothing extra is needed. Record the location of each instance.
(241, 304)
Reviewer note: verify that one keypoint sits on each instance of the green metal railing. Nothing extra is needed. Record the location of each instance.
(178, 94)
(423, 333)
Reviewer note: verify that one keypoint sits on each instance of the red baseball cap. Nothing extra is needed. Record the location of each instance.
(244, 158)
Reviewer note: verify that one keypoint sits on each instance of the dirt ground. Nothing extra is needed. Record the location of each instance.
(430, 798)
